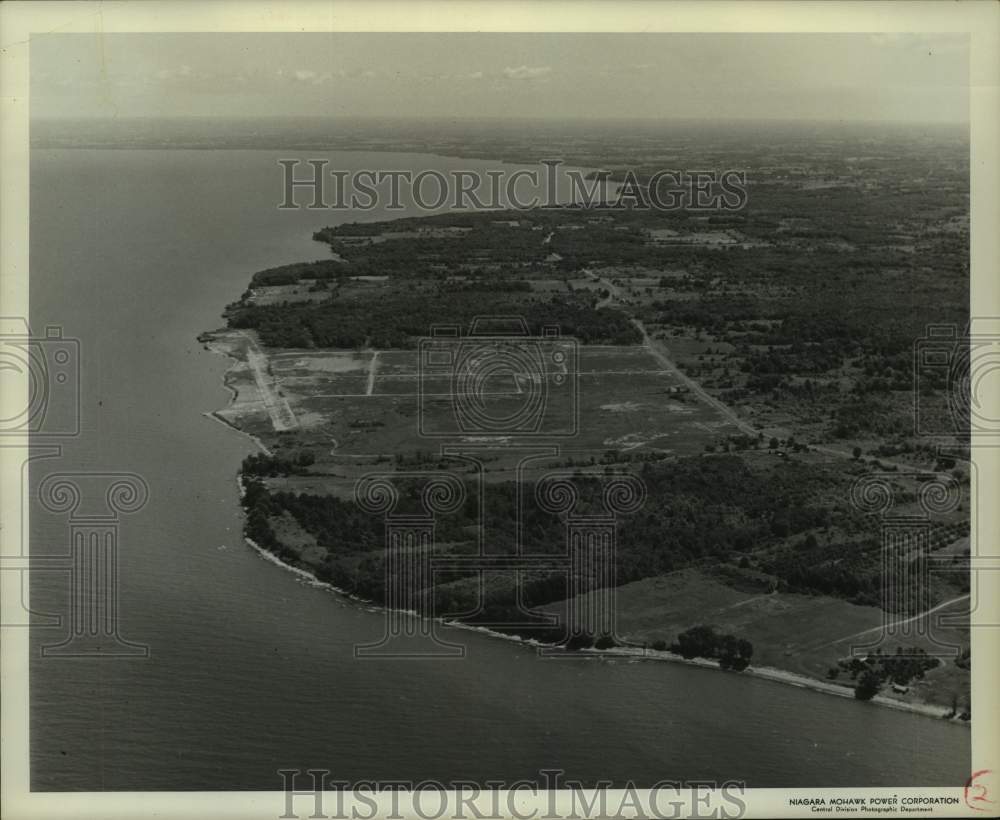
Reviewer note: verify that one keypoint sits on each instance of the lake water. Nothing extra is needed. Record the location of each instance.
(251, 670)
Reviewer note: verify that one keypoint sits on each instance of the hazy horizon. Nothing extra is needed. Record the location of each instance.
(486, 118)
(890, 78)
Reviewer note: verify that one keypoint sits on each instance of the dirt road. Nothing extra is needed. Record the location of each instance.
(900, 622)
(662, 355)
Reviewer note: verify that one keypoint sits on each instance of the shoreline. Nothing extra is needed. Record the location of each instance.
(772, 674)
(215, 415)
(779, 676)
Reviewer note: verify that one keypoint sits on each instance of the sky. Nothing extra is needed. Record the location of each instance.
(876, 77)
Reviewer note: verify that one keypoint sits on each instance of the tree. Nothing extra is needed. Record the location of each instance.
(868, 685)
(857, 453)
(773, 444)
(698, 641)
(735, 653)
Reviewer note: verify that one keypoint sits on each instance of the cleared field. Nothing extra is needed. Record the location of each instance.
(277, 294)
(805, 634)
(358, 411)
(370, 403)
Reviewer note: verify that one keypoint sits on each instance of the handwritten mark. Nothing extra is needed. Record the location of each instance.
(977, 792)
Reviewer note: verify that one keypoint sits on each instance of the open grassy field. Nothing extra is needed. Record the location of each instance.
(356, 407)
(804, 634)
